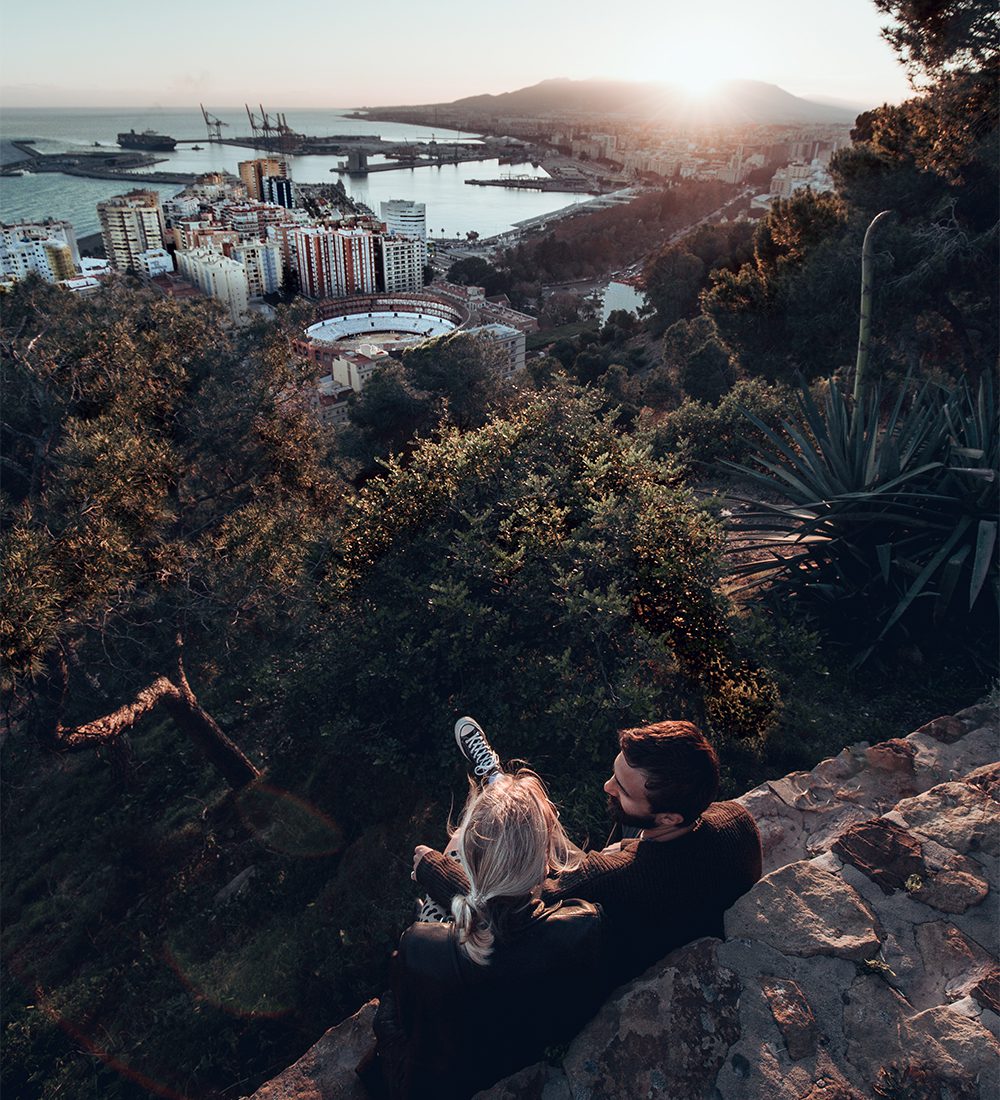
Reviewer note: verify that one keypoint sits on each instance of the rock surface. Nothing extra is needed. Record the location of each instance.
(326, 1070)
(864, 960)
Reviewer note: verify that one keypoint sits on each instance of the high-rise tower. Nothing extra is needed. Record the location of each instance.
(131, 224)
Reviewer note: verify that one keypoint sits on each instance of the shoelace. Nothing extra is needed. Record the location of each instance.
(483, 757)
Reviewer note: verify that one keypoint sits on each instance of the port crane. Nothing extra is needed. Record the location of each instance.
(214, 124)
(273, 135)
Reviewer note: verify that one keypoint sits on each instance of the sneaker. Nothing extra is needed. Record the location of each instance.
(476, 749)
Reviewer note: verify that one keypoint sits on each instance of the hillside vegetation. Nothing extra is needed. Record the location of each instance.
(234, 646)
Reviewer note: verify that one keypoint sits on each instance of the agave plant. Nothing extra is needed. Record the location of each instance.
(891, 517)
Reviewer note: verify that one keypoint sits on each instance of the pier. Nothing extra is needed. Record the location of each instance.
(530, 183)
(106, 165)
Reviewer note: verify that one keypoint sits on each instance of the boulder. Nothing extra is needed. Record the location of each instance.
(666, 1034)
(803, 909)
(326, 1070)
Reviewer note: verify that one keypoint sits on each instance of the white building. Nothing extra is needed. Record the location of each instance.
(332, 401)
(354, 368)
(793, 177)
(153, 262)
(510, 340)
(219, 277)
(50, 259)
(184, 205)
(213, 186)
(131, 224)
(405, 218)
(48, 230)
(401, 264)
(262, 262)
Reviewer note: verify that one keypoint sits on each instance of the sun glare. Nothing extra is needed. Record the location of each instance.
(696, 84)
(693, 66)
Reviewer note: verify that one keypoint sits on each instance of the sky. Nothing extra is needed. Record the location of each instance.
(319, 53)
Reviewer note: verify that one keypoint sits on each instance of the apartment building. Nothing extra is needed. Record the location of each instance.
(335, 262)
(261, 261)
(131, 224)
(252, 173)
(404, 218)
(219, 277)
(50, 229)
(49, 258)
(511, 342)
(278, 190)
(400, 264)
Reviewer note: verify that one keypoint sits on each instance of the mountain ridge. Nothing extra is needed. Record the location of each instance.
(731, 100)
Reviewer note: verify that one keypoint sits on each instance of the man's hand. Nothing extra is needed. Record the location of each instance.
(418, 854)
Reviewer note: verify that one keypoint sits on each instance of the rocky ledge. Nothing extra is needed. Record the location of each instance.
(863, 964)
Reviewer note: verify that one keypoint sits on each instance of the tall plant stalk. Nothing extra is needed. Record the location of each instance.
(864, 329)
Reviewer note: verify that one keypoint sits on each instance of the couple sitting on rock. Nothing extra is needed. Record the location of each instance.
(523, 934)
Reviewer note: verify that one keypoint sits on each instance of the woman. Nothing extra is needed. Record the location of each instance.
(477, 999)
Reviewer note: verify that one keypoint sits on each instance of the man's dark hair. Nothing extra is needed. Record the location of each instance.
(682, 770)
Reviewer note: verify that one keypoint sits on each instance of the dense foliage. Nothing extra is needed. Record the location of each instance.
(542, 573)
(458, 380)
(590, 244)
(531, 558)
(164, 476)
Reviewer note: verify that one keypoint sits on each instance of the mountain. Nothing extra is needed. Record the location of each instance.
(731, 101)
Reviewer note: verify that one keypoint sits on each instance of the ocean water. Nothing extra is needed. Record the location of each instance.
(453, 208)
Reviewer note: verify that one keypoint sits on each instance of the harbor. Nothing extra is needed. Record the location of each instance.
(453, 209)
(103, 165)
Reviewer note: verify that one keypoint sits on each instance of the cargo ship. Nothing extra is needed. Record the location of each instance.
(148, 140)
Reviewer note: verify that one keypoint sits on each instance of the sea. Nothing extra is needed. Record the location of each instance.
(453, 208)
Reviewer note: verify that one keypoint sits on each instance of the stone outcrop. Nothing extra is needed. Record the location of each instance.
(864, 963)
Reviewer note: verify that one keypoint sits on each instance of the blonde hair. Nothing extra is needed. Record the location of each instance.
(510, 839)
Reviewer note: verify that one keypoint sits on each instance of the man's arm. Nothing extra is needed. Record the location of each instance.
(597, 879)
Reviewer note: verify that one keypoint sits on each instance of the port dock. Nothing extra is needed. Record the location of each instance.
(535, 183)
(106, 165)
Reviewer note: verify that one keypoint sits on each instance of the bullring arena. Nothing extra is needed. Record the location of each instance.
(388, 322)
(351, 338)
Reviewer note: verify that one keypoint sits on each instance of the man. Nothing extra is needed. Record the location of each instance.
(671, 883)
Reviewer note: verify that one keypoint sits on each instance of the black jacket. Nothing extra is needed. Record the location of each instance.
(451, 1027)
(655, 895)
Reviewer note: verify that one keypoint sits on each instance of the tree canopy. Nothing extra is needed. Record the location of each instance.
(165, 476)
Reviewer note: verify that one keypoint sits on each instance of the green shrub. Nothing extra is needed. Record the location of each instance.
(542, 573)
(702, 436)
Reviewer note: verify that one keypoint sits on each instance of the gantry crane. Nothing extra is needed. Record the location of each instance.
(214, 124)
(276, 136)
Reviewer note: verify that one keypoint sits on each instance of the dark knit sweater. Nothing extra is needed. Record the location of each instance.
(656, 895)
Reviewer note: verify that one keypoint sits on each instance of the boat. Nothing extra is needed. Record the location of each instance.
(148, 139)
(197, 147)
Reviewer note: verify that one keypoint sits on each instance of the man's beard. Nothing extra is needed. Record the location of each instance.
(637, 821)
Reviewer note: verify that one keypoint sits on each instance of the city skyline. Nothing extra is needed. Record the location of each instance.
(120, 56)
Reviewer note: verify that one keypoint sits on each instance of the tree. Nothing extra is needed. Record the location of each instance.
(464, 371)
(934, 37)
(792, 307)
(541, 572)
(693, 354)
(457, 380)
(165, 477)
(673, 281)
(475, 271)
